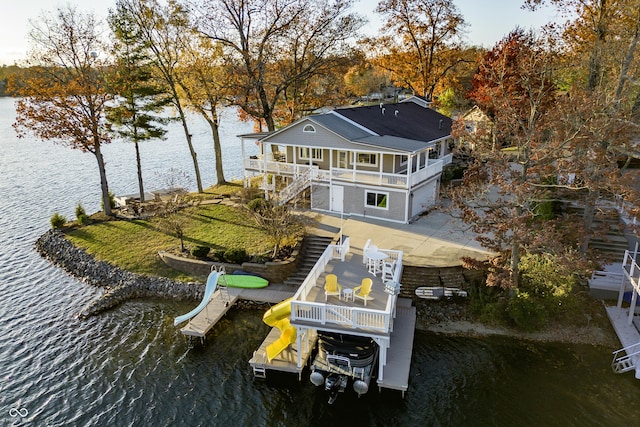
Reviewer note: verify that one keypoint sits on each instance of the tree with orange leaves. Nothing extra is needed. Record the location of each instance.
(63, 98)
(420, 44)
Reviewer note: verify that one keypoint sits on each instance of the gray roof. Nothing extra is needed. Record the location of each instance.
(340, 126)
(394, 143)
(404, 127)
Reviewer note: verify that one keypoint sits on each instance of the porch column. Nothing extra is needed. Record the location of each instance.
(299, 335)
(264, 171)
(244, 169)
(353, 166)
(409, 170)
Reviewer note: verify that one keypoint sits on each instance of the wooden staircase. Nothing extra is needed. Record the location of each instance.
(611, 241)
(312, 248)
(299, 184)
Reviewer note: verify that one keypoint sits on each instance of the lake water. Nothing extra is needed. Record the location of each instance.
(131, 367)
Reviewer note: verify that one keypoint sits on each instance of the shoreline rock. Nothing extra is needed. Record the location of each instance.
(119, 285)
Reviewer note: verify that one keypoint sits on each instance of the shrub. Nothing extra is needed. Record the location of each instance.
(81, 215)
(527, 312)
(200, 251)
(57, 220)
(235, 255)
(451, 172)
(112, 201)
(219, 255)
(258, 205)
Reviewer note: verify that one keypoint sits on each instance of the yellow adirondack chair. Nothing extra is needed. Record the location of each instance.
(362, 292)
(331, 286)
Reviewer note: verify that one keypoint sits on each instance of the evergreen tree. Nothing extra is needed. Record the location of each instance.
(139, 96)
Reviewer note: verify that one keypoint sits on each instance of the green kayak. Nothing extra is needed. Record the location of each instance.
(242, 281)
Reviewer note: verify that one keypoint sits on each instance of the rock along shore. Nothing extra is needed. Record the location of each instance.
(119, 285)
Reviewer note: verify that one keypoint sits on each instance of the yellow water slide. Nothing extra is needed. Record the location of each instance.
(278, 317)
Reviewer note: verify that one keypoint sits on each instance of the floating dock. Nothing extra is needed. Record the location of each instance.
(286, 361)
(396, 371)
(222, 300)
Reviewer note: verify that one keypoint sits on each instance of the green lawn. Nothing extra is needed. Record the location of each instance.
(134, 245)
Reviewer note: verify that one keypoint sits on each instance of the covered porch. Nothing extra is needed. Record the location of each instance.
(386, 168)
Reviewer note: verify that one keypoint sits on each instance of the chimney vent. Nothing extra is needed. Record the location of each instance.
(383, 111)
(396, 113)
(440, 124)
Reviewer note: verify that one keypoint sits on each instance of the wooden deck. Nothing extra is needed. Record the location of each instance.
(396, 371)
(627, 333)
(223, 299)
(286, 361)
(350, 274)
(220, 302)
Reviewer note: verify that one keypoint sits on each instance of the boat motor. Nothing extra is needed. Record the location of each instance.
(335, 384)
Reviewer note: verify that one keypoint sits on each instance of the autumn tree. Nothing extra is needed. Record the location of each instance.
(601, 69)
(420, 43)
(501, 196)
(277, 221)
(64, 96)
(162, 27)
(364, 78)
(274, 49)
(204, 83)
(140, 98)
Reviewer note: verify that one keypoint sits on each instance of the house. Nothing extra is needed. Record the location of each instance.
(477, 123)
(382, 161)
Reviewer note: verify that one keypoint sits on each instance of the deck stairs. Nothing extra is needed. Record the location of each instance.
(611, 243)
(299, 184)
(626, 359)
(312, 248)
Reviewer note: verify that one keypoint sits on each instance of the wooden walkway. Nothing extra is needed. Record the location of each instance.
(220, 302)
(396, 371)
(223, 299)
(627, 333)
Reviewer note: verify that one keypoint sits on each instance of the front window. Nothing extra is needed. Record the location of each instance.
(374, 199)
(306, 153)
(366, 159)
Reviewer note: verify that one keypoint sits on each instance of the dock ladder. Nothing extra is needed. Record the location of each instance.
(627, 361)
(222, 284)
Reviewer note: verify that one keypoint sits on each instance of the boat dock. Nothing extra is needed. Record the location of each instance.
(286, 361)
(396, 371)
(223, 299)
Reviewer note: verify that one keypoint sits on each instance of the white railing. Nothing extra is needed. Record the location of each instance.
(398, 180)
(434, 167)
(292, 190)
(350, 317)
(626, 362)
(632, 270)
(373, 178)
(323, 313)
(341, 251)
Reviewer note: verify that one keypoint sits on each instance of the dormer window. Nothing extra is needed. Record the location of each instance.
(309, 129)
